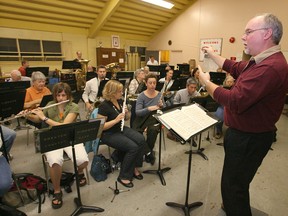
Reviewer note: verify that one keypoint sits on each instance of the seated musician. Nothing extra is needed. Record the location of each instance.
(35, 93)
(136, 82)
(228, 83)
(16, 77)
(195, 74)
(135, 87)
(168, 82)
(6, 174)
(148, 101)
(128, 141)
(184, 95)
(64, 113)
(90, 93)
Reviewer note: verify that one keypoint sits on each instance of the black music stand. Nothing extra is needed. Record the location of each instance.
(203, 102)
(160, 170)
(68, 135)
(173, 128)
(12, 105)
(71, 64)
(117, 191)
(101, 87)
(187, 207)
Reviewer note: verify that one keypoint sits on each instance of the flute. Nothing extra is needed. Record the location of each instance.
(123, 110)
(42, 108)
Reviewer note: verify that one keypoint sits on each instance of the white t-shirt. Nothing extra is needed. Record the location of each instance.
(152, 63)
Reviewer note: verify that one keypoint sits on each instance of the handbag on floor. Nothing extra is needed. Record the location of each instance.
(100, 167)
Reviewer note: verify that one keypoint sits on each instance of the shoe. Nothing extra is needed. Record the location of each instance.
(129, 185)
(218, 135)
(194, 144)
(171, 136)
(150, 158)
(82, 180)
(139, 177)
(182, 142)
(57, 197)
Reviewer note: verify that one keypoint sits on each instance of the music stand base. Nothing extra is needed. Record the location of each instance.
(159, 172)
(116, 191)
(82, 209)
(186, 208)
(200, 152)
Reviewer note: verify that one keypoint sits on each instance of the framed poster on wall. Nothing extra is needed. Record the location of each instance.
(216, 43)
(115, 41)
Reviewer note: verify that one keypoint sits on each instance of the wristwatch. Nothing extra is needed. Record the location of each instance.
(45, 119)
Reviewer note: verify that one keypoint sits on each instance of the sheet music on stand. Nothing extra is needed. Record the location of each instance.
(187, 121)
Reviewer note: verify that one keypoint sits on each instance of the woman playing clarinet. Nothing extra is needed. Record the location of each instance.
(64, 113)
(148, 101)
(128, 141)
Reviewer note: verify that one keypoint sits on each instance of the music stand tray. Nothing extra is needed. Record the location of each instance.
(68, 135)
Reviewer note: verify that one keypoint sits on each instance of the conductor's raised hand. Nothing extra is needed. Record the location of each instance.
(207, 50)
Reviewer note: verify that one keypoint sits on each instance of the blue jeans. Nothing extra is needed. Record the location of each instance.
(220, 115)
(131, 143)
(5, 177)
(9, 137)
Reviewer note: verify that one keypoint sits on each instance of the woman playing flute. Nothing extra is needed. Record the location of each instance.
(63, 113)
(129, 141)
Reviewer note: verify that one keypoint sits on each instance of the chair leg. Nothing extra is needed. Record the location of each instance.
(87, 176)
(18, 188)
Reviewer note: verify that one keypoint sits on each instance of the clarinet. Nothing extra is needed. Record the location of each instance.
(123, 110)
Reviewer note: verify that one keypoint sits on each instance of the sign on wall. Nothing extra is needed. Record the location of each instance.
(115, 41)
(216, 43)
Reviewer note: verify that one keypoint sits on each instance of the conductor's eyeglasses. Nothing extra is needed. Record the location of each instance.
(250, 31)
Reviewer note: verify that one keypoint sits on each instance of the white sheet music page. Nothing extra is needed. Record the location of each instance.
(187, 121)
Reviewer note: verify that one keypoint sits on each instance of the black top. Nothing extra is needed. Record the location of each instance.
(106, 108)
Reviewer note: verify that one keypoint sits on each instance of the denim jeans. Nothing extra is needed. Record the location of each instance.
(5, 177)
(131, 143)
(220, 115)
(9, 137)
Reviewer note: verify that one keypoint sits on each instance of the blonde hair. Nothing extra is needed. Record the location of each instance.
(111, 88)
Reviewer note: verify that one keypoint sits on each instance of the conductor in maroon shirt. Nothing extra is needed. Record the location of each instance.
(252, 107)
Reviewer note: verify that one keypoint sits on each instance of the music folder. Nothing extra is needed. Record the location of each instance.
(65, 135)
(187, 121)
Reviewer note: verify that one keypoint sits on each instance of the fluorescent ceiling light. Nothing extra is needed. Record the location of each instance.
(160, 3)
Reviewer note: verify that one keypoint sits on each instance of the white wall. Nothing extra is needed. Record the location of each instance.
(216, 19)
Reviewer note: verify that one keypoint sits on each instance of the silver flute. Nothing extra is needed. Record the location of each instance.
(123, 110)
(24, 114)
